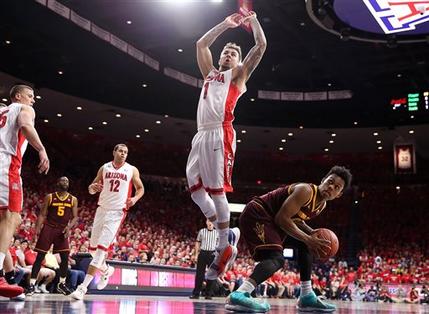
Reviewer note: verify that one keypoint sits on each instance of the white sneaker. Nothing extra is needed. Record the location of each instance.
(20, 297)
(43, 289)
(37, 289)
(79, 293)
(104, 279)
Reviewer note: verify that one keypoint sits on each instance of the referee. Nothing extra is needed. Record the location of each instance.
(204, 248)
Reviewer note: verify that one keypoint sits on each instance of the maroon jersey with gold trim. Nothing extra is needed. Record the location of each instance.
(59, 209)
(273, 201)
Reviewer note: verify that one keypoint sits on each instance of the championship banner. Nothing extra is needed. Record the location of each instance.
(404, 158)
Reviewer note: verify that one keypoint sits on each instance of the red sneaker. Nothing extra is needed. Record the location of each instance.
(221, 261)
(9, 291)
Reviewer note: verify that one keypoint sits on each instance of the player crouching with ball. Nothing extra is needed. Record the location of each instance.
(277, 219)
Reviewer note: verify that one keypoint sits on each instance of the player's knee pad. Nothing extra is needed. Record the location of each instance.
(202, 199)
(98, 258)
(222, 208)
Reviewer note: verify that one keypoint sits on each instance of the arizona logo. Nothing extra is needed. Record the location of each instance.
(395, 16)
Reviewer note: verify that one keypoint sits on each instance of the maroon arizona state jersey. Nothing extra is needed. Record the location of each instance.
(59, 209)
(273, 201)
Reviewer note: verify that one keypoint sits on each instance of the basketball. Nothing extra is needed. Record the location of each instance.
(330, 236)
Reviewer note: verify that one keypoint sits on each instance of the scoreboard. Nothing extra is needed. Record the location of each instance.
(414, 103)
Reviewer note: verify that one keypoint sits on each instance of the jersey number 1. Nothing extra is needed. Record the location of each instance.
(114, 185)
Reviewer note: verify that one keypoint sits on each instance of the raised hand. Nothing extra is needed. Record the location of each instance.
(234, 20)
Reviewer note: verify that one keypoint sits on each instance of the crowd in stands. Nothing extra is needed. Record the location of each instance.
(161, 228)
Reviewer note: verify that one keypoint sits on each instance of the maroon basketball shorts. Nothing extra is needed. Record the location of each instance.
(259, 230)
(52, 235)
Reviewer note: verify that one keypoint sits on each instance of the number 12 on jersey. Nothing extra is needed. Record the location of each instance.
(114, 185)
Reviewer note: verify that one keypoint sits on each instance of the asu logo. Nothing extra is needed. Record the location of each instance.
(260, 232)
(395, 16)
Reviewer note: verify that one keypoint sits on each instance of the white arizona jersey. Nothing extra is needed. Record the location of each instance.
(217, 100)
(12, 141)
(117, 186)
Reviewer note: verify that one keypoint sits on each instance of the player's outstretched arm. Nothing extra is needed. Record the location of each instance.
(204, 56)
(96, 185)
(26, 123)
(255, 54)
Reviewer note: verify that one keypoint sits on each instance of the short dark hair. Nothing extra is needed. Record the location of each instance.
(343, 173)
(117, 146)
(18, 89)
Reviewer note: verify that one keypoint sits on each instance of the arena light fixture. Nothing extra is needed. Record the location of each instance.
(333, 134)
(78, 108)
(331, 142)
(301, 127)
(355, 123)
(144, 85)
(38, 97)
(326, 149)
(180, 50)
(252, 99)
(158, 122)
(129, 22)
(238, 141)
(90, 128)
(378, 142)
(281, 148)
(60, 72)
(166, 116)
(104, 123)
(375, 133)
(290, 134)
(8, 42)
(243, 131)
(283, 140)
(4, 99)
(146, 130)
(46, 120)
(411, 131)
(118, 115)
(380, 147)
(59, 115)
(138, 135)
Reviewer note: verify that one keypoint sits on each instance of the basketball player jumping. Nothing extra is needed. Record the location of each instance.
(16, 128)
(210, 162)
(58, 216)
(114, 181)
(275, 220)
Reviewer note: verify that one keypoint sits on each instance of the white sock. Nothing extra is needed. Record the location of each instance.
(246, 286)
(87, 280)
(306, 287)
(33, 281)
(62, 280)
(223, 238)
(2, 257)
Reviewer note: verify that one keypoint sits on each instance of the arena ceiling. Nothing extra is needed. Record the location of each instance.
(37, 43)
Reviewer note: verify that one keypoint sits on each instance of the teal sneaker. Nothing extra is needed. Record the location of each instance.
(243, 302)
(311, 303)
